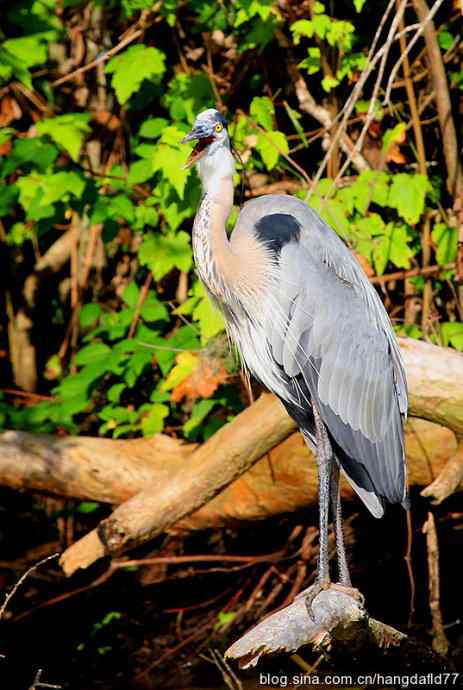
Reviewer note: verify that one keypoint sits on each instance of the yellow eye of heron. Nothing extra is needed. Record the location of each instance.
(218, 127)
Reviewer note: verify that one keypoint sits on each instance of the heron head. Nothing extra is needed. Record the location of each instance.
(210, 132)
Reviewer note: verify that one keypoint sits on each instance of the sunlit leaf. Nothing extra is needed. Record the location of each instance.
(131, 67)
(68, 131)
(263, 111)
(162, 253)
(407, 194)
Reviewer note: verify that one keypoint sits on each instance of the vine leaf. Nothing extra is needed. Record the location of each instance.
(133, 66)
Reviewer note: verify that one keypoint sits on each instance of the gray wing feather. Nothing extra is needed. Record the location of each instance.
(335, 332)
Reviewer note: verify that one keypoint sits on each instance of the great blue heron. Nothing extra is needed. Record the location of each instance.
(310, 327)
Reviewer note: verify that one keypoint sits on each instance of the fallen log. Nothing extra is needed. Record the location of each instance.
(282, 481)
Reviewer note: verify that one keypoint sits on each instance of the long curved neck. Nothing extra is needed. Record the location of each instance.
(211, 247)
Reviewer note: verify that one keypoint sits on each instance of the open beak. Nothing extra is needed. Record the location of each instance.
(204, 138)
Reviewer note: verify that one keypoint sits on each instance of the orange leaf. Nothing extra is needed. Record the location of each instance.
(203, 382)
(9, 110)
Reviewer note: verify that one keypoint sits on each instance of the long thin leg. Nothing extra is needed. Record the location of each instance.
(343, 568)
(324, 461)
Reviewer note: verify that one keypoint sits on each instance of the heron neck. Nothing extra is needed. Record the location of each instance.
(211, 247)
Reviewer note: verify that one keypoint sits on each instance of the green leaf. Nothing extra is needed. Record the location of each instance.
(11, 66)
(153, 128)
(329, 83)
(445, 39)
(371, 225)
(114, 393)
(145, 215)
(268, 146)
(209, 318)
(131, 295)
(34, 150)
(401, 252)
(407, 195)
(5, 134)
(18, 234)
(130, 68)
(170, 162)
(120, 206)
(294, 116)
(187, 363)
(358, 4)
(68, 131)
(153, 422)
(303, 27)
(89, 315)
(371, 186)
(446, 239)
(8, 198)
(392, 246)
(199, 413)
(60, 186)
(153, 310)
(30, 50)
(140, 171)
(312, 62)
(162, 253)
(92, 353)
(391, 136)
(452, 332)
(224, 618)
(263, 111)
(86, 507)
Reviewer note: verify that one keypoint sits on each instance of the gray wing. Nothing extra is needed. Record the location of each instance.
(336, 346)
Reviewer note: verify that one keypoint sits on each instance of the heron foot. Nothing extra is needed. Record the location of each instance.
(324, 585)
(349, 590)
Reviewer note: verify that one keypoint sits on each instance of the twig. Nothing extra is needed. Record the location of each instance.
(160, 660)
(94, 234)
(391, 37)
(408, 563)
(425, 18)
(24, 577)
(141, 298)
(277, 555)
(287, 157)
(67, 595)
(440, 643)
(37, 682)
(274, 188)
(403, 275)
(448, 480)
(128, 37)
(26, 394)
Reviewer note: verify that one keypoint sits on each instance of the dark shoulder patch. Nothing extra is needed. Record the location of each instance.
(277, 229)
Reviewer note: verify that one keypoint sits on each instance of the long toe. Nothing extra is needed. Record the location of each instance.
(350, 591)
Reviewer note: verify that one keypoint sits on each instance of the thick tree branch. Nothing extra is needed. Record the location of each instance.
(282, 481)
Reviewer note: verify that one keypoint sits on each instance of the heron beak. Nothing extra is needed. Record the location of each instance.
(203, 138)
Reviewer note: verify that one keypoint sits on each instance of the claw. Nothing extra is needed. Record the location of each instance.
(319, 587)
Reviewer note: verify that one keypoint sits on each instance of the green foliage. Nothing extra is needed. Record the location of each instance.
(103, 151)
(385, 238)
(162, 253)
(68, 131)
(452, 334)
(131, 67)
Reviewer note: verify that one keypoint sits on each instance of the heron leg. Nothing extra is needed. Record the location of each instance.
(324, 462)
(335, 492)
